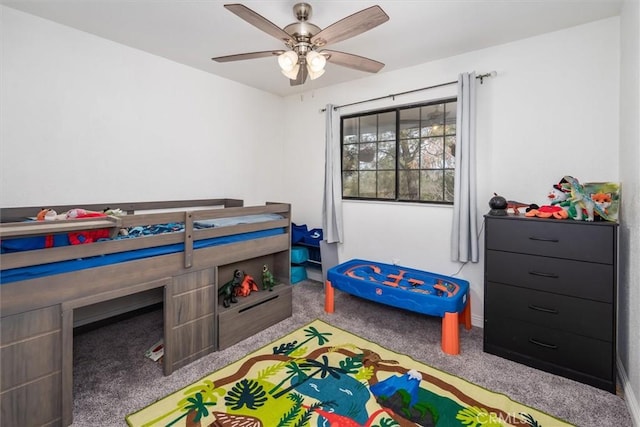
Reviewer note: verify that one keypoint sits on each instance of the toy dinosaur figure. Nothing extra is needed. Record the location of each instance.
(268, 281)
(247, 286)
(228, 291)
(581, 200)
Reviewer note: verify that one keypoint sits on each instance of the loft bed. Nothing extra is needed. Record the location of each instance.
(47, 289)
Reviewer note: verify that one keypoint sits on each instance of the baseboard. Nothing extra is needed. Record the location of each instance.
(477, 321)
(629, 396)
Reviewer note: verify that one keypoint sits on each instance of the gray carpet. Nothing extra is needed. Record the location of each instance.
(113, 378)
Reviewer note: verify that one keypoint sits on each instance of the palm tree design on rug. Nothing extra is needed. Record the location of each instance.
(322, 368)
(311, 333)
(293, 369)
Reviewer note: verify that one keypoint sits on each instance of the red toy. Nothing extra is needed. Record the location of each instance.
(247, 286)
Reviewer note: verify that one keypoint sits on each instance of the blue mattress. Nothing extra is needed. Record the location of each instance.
(43, 270)
(402, 287)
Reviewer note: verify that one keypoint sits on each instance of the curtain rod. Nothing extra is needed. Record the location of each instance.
(393, 95)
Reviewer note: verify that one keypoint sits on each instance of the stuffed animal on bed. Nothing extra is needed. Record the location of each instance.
(49, 215)
(77, 237)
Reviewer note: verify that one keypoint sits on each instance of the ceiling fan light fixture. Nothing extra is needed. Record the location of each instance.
(316, 62)
(314, 74)
(292, 74)
(288, 61)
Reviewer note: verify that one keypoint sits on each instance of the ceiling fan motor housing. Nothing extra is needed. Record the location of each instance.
(302, 11)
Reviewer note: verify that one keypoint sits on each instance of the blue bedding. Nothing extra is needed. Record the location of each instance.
(43, 270)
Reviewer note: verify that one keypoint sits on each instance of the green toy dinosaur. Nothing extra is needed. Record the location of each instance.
(228, 291)
(580, 200)
(268, 281)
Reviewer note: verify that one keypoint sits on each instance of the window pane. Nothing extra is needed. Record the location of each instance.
(387, 185)
(350, 157)
(387, 155)
(451, 111)
(350, 184)
(408, 185)
(409, 154)
(387, 126)
(350, 130)
(431, 185)
(449, 181)
(367, 156)
(368, 128)
(368, 184)
(432, 153)
(410, 123)
(450, 152)
(432, 120)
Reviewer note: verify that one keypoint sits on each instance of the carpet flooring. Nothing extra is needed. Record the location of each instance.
(113, 378)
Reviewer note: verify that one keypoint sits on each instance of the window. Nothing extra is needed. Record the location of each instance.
(404, 154)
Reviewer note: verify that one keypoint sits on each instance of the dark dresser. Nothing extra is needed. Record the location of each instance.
(550, 296)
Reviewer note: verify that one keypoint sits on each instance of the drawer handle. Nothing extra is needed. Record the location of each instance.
(542, 344)
(544, 239)
(543, 309)
(549, 275)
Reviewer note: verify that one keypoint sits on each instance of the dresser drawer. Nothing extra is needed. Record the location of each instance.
(583, 317)
(574, 352)
(566, 277)
(574, 240)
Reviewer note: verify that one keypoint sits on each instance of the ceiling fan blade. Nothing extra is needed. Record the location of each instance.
(352, 61)
(259, 21)
(351, 26)
(250, 55)
(302, 76)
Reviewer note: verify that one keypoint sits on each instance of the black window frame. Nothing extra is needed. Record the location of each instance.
(397, 110)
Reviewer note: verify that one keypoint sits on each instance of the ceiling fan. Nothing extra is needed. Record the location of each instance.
(303, 57)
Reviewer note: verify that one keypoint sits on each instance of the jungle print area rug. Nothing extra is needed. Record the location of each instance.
(320, 375)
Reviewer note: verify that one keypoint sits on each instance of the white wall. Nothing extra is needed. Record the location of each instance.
(552, 110)
(628, 290)
(83, 120)
(89, 120)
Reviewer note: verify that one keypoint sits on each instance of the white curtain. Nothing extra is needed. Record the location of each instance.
(464, 241)
(332, 204)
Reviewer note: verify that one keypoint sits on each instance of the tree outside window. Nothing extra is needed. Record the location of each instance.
(404, 154)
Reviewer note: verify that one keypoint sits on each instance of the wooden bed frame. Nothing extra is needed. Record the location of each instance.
(37, 315)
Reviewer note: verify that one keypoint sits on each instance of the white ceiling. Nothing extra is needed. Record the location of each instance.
(418, 31)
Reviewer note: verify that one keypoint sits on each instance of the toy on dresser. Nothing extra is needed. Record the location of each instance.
(570, 199)
(584, 204)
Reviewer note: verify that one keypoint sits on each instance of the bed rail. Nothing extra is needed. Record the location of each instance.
(17, 214)
(190, 234)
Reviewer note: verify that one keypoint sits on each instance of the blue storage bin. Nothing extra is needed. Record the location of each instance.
(298, 273)
(299, 254)
(313, 237)
(298, 232)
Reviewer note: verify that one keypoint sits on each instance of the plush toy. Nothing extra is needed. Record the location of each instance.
(247, 286)
(47, 215)
(268, 281)
(547, 211)
(76, 213)
(582, 202)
